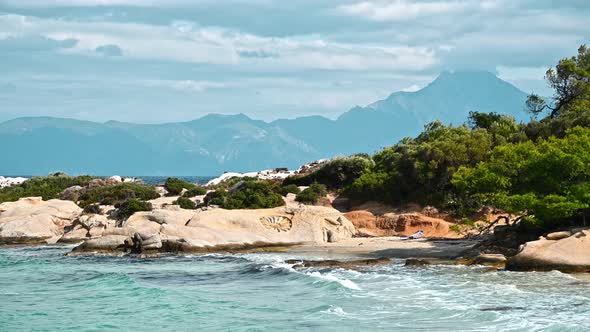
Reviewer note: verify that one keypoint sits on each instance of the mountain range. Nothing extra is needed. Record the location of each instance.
(216, 143)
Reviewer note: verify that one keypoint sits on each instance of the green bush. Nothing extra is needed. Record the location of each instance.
(47, 187)
(185, 203)
(246, 195)
(196, 191)
(312, 194)
(336, 173)
(253, 195)
(128, 207)
(92, 208)
(113, 194)
(289, 189)
(174, 186)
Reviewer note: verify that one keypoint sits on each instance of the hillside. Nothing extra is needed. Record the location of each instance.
(217, 143)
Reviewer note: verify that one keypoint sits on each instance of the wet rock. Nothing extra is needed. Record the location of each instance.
(354, 264)
(416, 262)
(495, 260)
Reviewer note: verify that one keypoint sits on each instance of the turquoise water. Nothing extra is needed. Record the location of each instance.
(43, 290)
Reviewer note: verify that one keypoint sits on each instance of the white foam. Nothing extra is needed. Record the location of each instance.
(330, 277)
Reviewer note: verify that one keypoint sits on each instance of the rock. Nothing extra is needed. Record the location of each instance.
(161, 191)
(114, 180)
(558, 235)
(32, 220)
(106, 243)
(30, 229)
(220, 229)
(571, 254)
(9, 182)
(416, 262)
(71, 193)
(152, 243)
(496, 260)
(353, 265)
(77, 234)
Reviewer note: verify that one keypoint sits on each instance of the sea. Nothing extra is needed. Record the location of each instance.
(42, 289)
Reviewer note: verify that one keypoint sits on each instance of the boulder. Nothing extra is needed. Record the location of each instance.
(220, 229)
(32, 220)
(108, 243)
(496, 260)
(571, 254)
(558, 235)
(31, 229)
(76, 234)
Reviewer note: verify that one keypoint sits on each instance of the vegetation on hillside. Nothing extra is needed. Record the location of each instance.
(47, 187)
(312, 194)
(247, 194)
(116, 193)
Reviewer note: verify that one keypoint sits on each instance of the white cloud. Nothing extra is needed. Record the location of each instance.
(186, 42)
(185, 85)
(402, 10)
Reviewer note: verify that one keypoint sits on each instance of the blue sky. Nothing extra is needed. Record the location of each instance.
(156, 61)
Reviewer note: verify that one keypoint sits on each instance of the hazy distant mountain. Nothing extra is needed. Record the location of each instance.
(217, 143)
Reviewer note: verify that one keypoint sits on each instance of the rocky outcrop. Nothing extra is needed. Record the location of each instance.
(570, 254)
(174, 229)
(34, 221)
(400, 224)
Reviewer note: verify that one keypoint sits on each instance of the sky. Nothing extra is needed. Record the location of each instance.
(154, 61)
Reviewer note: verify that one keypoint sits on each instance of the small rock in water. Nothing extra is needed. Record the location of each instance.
(416, 262)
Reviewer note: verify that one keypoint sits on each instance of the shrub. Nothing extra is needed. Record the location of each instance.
(113, 194)
(185, 203)
(336, 173)
(128, 207)
(253, 195)
(289, 189)
(455, 228)
(312, 194)
(174, 186)
(196, 191)
(247, 195)
(216, 197)
(92, 208)
(47, 187)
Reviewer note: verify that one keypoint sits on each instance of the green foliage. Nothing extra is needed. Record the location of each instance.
(92, 208)
(253, 195)
(185, 203)
(455, 228)
(549, 179)
(419, 170)
(196, 191)
(312, 194)
(289, 189)
(113, 194)
(248, 194)
(174, 186)
(47, 187)
(336, 173)
(128, 207)
(216, 197)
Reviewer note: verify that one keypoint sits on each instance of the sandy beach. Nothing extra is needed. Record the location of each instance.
(386, 247)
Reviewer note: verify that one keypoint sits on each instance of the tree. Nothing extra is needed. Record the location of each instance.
(548, 180)
(570, 80)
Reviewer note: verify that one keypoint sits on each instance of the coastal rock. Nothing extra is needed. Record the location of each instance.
(400, 224)
(30, 229)
(106, 243)
(558, 235)
(32, 220)
(76, 234)
(220, 229)
(416, 262)
(571, 254)
(351, 265)
(71, 194)
(9, 182)
(495, 260)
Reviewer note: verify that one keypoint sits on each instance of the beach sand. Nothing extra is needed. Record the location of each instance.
(385, 247)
